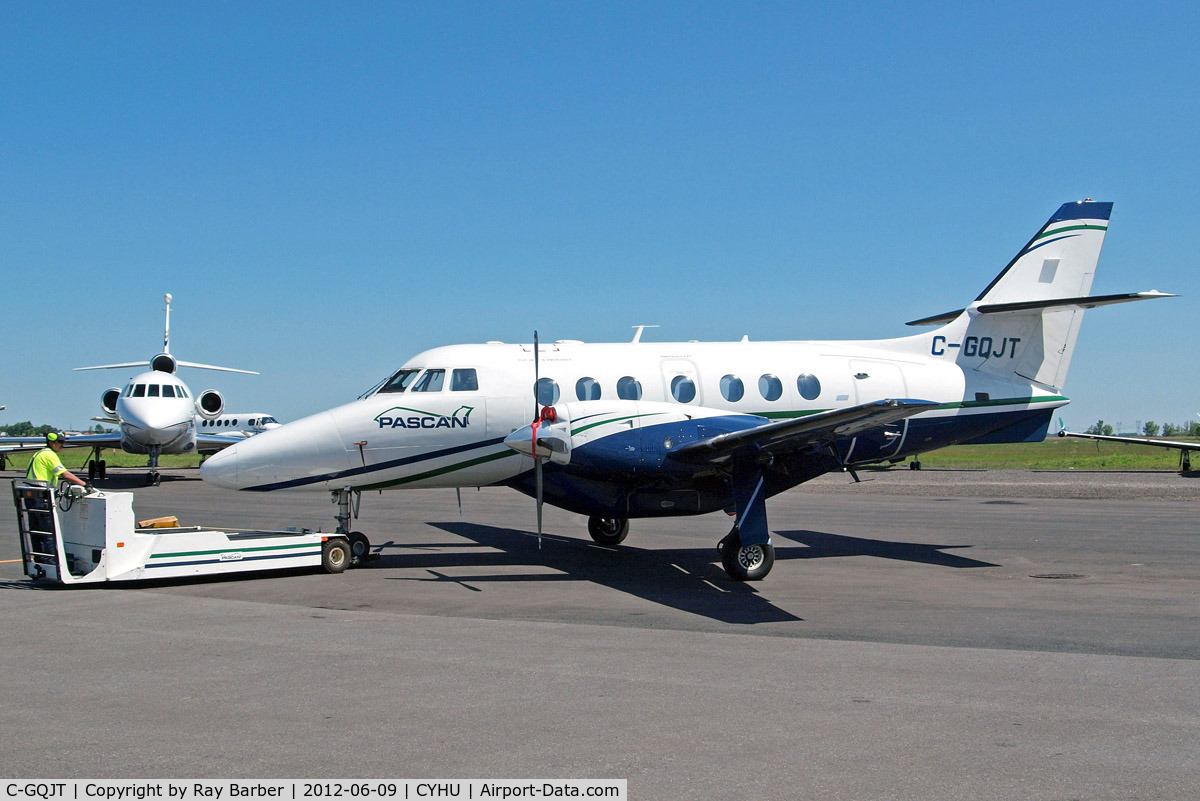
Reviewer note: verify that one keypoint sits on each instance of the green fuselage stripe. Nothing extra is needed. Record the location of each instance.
(232, 550)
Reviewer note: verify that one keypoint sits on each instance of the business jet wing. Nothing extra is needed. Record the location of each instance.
(802, 433)
(18, 444)
(211, 443)
(1185, 448)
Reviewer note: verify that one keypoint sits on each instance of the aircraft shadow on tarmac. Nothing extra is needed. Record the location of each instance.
(688, 579)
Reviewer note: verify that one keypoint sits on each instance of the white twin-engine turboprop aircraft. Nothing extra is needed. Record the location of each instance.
(687, 428)
(155, 414)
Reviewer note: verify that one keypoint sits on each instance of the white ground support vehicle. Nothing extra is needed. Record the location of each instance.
(76, 537)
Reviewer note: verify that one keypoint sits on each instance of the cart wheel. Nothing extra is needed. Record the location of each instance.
(335, 555)
(360, 549)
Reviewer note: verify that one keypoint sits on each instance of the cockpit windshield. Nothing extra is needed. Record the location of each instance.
(399, 381)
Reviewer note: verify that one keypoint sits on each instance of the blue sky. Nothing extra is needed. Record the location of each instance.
(327, 189)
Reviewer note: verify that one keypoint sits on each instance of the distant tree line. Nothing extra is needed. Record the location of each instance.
(1152, 429)
(28, 429)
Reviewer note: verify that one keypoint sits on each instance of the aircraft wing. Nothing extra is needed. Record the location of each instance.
(1158, 443)
(802, 433)
(16, 444)
(211, 443)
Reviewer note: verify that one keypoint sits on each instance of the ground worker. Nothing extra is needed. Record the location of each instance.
(46, 466)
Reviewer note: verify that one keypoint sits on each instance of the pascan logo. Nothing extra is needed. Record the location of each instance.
(402, 417)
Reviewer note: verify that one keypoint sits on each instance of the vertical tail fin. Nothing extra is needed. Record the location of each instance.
(1025, 323)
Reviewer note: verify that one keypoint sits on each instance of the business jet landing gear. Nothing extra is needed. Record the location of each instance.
(608, 530)
(153, 478)
(348, 501)
(97, 467)
(746, 551)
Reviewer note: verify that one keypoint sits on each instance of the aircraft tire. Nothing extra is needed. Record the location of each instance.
(751, 563)
(153, 479)
(103, 471)
(608, 530)
(335, 555)
(92, 470)
(360, 549)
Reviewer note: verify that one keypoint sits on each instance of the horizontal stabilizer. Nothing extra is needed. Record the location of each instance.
(803, 432)
(1079, 303)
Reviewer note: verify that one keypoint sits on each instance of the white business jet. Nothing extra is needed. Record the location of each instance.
(642, 429)
(155, 413)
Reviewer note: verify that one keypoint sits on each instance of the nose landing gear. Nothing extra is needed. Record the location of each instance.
(360, 547)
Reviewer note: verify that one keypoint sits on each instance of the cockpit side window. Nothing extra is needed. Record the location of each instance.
(430, 381)
(168, 391)
(400, 380)
(464, 380)
(139, 391)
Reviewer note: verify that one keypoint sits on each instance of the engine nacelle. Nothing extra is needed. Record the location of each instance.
(108, 401)
(164, 363)
(210, 404)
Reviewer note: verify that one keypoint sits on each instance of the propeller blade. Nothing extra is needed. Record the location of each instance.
(537, 468)
(537, 416)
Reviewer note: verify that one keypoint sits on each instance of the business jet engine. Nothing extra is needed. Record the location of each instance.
(210, 404)
(164, 363)
(108, 401)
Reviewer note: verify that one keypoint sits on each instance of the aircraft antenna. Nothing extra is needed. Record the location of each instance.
(167, 327)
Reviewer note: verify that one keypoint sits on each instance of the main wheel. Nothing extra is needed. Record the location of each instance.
(360, 548)
(608, 530)
(92, 469)
(103, 469)
(746, 563)
(335, 555)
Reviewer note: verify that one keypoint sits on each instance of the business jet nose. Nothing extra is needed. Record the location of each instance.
(296, 455)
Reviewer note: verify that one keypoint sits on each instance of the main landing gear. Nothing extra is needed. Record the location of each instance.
(359, 546)
(96, 467)
(608, 530)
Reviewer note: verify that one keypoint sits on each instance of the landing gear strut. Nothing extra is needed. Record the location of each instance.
(153, 478)
(360, 547)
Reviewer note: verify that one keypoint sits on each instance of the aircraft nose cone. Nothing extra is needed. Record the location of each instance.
(297, 455)
(221, 469)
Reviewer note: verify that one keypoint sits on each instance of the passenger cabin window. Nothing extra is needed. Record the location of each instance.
(732, 388)
(629, 388)
(770, 387)
(683, 389)
(809, 386)
(587, 388)
(547, 391)
(430, 381)
(399, 381)
(464, 380)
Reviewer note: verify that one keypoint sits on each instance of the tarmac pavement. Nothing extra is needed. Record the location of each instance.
(933, 634)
